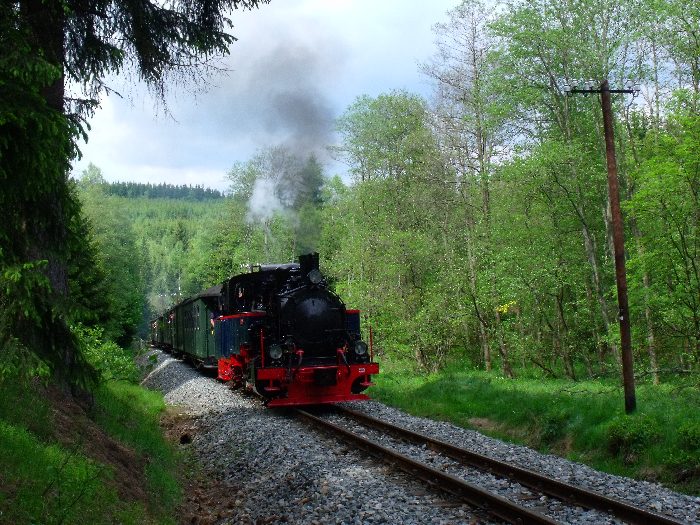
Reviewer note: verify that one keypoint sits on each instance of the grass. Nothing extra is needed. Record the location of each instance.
(42, 481)
(131, 414)
(583, 420)
(48, 478)
(47, 483)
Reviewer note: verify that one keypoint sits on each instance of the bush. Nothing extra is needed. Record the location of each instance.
(628, 436)
(689, 437)
(109, 359)
(553, 426)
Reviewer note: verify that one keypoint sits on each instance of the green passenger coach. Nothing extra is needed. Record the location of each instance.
(193, 333)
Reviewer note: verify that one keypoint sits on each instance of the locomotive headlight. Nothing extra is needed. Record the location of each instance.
(315, 276)
(360, 347)
(275, 351)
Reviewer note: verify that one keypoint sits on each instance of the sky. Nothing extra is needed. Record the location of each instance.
(297, 65)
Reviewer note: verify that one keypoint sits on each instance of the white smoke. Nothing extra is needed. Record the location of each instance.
(264, 202)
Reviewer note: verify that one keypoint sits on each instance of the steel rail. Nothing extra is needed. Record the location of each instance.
(475, 496)
(552, 487)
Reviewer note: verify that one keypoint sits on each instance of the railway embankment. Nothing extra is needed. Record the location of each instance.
(97, 458)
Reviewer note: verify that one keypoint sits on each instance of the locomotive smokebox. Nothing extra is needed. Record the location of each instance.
(315, 320)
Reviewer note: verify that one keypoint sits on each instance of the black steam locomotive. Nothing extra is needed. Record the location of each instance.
(278, 330)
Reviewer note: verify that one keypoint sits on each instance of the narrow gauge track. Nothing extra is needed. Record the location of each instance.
(478, 497)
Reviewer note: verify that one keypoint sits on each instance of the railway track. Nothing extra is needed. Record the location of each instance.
(495, 504)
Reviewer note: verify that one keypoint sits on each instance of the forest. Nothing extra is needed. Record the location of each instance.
(162, 191)
(476, 224)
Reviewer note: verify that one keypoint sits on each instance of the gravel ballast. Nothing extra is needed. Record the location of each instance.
(280, 470)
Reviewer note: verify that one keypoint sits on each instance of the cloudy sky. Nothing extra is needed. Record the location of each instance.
(297, 65)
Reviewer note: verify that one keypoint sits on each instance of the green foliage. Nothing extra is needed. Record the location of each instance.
(49, 484)
(21, 282)
(111, 361)
(34, 340)
(131, 414)
(118, 261)
(161, 191)
(48, 478)
(166, 253)
(689, 436)
(19, 364)
(553, 427)
(391, 211)
(666, 203)
(45, 481)
(386, 136)
(686, 457)
(629, 435)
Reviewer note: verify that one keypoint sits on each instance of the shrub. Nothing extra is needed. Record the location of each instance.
(629, 435)
(552, 426)
(109, 359)
(689, 436)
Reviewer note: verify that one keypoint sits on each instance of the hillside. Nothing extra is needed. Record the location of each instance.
(151, 247)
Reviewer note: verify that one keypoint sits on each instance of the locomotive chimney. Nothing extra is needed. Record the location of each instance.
(308, 262)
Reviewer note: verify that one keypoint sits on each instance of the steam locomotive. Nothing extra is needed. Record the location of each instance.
(277, 330)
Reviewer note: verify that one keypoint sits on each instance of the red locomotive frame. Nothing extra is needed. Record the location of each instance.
(296, 385)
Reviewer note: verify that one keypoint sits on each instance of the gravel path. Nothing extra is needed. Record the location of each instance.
(283, 471)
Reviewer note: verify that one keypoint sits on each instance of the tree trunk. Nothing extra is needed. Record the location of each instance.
(47, 237)
(651, 344)
(483, 328)
(503, 349)
(485, 346)
(561, 323)
(46, 211)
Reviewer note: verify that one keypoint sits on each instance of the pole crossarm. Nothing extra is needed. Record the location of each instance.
(589, 86)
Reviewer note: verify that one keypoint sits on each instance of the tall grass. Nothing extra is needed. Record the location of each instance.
(42, 481)
(131, 413)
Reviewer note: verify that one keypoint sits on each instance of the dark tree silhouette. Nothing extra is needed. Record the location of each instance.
(45, 43)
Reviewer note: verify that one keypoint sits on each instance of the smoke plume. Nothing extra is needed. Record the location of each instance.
(291, 106)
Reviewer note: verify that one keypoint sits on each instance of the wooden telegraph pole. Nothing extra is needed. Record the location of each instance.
(618, 236)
